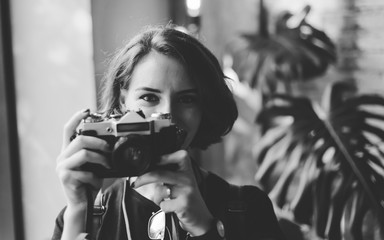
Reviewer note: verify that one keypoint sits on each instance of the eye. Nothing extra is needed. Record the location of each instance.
(187, 99)
(149, 98)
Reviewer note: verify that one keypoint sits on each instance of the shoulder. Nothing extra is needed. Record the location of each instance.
(59, 223)
(248, 192)
(253, 194)
(219, 192)
(246, 208)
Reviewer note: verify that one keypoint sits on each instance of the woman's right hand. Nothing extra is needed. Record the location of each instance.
(73, 155)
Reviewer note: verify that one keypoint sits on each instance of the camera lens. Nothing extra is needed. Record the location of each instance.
(131, 155)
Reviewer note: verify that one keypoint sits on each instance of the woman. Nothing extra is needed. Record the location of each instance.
(162, 70)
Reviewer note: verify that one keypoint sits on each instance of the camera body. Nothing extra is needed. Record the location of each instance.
(136, 142)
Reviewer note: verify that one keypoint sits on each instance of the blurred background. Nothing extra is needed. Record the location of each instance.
(53, 55)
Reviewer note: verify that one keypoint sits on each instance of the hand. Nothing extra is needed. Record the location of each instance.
(185, 199)
(74, 154)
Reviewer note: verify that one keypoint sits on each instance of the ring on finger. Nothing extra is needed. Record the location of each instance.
(168, 191)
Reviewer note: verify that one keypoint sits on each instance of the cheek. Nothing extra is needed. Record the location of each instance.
(190, 121)
(127, 101)
(131, 104)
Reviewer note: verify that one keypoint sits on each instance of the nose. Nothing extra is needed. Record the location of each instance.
(170, 108)
(165, 107)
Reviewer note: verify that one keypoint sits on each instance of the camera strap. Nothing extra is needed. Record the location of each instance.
(234, 214)
(99, 208)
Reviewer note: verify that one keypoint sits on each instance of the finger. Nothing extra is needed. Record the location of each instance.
(178, 157)
(82, 177)
(86, 142)
(162, 192)
(172, 205)
(81, 157)
(71, 125)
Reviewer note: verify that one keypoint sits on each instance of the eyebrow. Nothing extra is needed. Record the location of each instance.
(192, 90)
(148, 89)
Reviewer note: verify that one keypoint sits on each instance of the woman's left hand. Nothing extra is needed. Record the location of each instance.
(184, 199)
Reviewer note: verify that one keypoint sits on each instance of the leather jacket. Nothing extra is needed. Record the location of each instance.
(246, 211)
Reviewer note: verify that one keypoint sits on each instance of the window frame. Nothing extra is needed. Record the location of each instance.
(12, 224)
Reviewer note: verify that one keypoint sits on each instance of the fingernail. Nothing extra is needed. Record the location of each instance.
(108, 166)
(73, 136)
(109, 147)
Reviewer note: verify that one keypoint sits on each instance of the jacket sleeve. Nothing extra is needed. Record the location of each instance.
(59, 224)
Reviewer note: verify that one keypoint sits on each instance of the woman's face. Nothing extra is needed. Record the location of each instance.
(160, 84)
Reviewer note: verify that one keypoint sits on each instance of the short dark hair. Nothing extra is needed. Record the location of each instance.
(219, 110)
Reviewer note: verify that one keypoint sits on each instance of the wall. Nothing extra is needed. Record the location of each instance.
(54, 78)
(8, 197)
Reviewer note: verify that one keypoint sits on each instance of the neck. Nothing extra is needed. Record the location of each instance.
(148, 190)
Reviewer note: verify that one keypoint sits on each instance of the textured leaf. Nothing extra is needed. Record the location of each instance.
(326, 165)
(295, 52)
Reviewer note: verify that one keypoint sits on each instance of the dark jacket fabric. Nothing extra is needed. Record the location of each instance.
(246, 211)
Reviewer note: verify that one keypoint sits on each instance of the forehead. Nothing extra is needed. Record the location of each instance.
(160, 71)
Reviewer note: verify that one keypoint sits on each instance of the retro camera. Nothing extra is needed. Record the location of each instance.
(137, 142)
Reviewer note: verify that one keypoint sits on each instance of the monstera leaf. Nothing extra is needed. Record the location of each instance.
(296, 51)
(325, 165)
